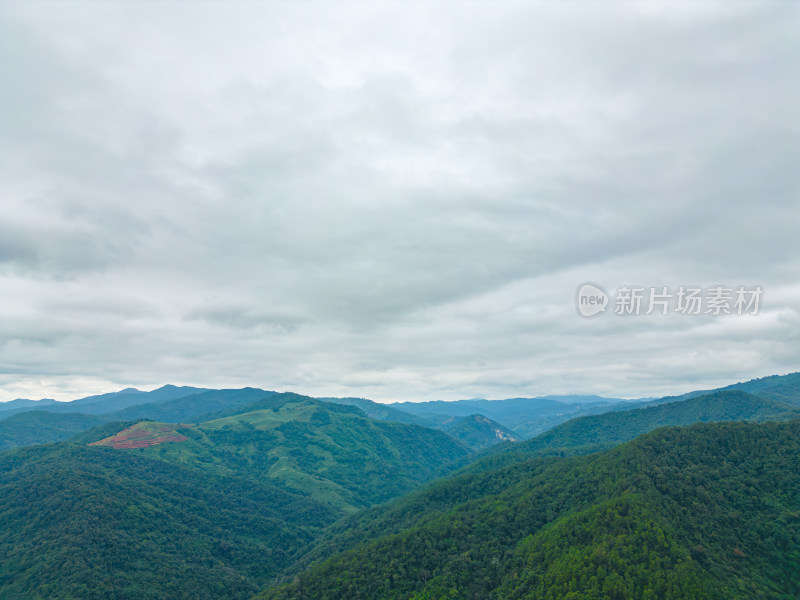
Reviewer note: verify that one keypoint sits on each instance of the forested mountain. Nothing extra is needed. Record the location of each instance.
(382, 412)
(477, 432)
(231, 488)
(102, 404)
(212, 510)
(583, 435)
(23, 404)
(525, 417)
(708, 511)
(169, 403)
(334, 453)
(196, 407)
(597, 432)
(40, 426)
(521, 417)
(95, 523)
(782, 388)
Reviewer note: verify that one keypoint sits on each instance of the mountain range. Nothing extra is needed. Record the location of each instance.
(195, 493)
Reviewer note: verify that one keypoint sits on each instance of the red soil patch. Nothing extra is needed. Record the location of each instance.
(143, 435)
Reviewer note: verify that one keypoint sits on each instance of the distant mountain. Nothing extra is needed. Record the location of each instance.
(495, 409)
(382, 412)
(617, 427)
(525, 417)
(477, 432)
(781, 388)
(41, 427)
(588, 399)
(194, 407)
(109, 396)
(24, 404)
(597, 432)
(102, 404)
(107, 403)
(702, 512)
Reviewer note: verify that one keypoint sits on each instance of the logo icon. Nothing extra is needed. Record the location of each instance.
(591, 300)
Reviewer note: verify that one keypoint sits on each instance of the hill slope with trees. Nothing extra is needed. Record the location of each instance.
(709, 511)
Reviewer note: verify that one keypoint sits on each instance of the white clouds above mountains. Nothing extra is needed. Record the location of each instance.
(390, 200)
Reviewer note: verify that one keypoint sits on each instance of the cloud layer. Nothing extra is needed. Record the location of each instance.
(364, 199)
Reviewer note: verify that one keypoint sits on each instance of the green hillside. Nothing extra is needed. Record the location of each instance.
(382, 412)
(332, 452)
(93, 523)
(40, 427)
(709, 511)
(583, 435)
(525, 417)
(477, 431)
(597, 432)
(782, 388)
(169, 404)
(151, 510)
(201, 406)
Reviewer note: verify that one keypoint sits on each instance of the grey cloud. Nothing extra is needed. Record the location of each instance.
(399, 202)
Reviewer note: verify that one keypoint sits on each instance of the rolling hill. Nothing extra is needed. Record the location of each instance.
(477, 432)
(101, 404)
(702, 512)
(212, 510)
(524, 417)
(96, 523)
(40, 427)
(332, 452)
(169, 403)
(583, 435)
(226, 489)
(598, 432)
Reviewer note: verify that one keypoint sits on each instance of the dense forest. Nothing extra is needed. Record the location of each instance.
(708, 511)
(89, 522)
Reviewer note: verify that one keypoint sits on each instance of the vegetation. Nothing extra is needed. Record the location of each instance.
(599, 432)
(148, 510)
(524, 416)
(89, 522)
(711, 511)
(24, 427)
(332, 452)
(40, 427)
(285, 485)
(477, 432)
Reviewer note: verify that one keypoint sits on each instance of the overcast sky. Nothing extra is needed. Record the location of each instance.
(394, 201)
